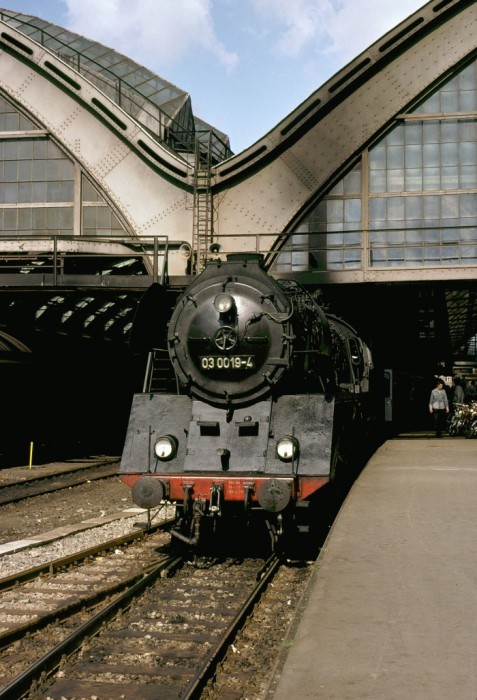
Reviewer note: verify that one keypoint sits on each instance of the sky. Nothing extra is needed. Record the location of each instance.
(246, 64)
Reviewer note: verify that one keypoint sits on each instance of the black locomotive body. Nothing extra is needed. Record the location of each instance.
(267, 387)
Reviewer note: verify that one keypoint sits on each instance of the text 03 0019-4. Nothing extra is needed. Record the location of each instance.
(208, 362)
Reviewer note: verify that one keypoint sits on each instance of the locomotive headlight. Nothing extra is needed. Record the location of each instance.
(165, 448)
(223, 303)
(287, 448)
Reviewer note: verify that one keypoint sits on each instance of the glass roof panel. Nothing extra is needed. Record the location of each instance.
(118, 64)
(117, 70)
(59, 47)
(157, 83)
(53, 30)
(80, 44)
(120, 68)
(32, 32)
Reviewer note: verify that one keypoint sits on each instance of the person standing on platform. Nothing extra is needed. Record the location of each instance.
(469, 391)
(458, 396)
(439, 407)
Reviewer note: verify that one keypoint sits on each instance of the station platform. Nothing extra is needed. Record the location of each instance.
(391, 610)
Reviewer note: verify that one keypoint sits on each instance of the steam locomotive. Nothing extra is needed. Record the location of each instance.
(252, 402)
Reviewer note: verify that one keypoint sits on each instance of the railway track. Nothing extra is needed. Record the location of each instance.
(14, 491)
(59, 611)
(32, 598)
(161, 637)
(60, 594)
(55, 566)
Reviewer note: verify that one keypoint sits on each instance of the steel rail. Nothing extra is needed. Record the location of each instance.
(50, 567)
(38, 486)
(48, 663)
(198, 682)
(41, 620)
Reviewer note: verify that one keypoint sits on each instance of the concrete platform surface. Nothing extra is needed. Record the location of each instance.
(391, 611)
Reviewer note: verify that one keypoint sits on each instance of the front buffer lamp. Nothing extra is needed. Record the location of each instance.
(287, 448)
(165, 448)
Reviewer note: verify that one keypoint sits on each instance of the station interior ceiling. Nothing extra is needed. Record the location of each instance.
(418, 327)
(414, 325)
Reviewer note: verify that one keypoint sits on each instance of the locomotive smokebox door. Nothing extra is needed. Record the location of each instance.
(229, 337)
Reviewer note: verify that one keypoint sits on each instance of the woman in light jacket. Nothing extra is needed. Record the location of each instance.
(439, 407)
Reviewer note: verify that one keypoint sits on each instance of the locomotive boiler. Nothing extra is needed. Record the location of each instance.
(250, 404)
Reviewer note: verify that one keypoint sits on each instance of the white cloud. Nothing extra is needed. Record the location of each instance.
(355, 25)
(341, 27)
(167, 30)
(165, 33)
(297, 23)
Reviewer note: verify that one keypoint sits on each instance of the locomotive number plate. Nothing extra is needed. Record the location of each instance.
(227, 362)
